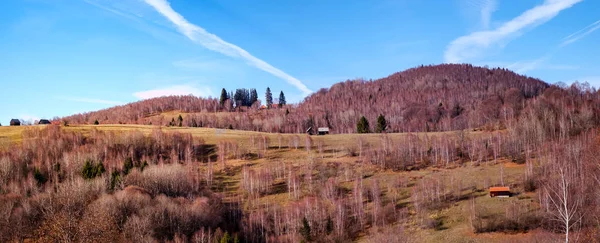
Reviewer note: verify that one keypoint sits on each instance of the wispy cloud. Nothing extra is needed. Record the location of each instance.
(481, 10)
(581, 33)
(214, 43)
(175, 90)
(487, 8)
(525, 66)
(88, 100)
(473, 45)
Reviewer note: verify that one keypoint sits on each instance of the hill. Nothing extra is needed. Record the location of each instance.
(428, 98)
(157, 183)
(249, 184)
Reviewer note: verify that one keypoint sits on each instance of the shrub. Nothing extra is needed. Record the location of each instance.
(40, 177)
(305, 229)
(171, 180)
(433, 222)
(529, 185)
(127, 166)
(91, 170)
(226, 238)
(115, 178)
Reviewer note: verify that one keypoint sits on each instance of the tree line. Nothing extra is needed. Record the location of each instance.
(248, 97)
(429, 98)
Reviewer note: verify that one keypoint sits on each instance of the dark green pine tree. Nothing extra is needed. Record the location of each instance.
(253, 96)
(268, 98)
(305, 230)
(363, 125)
(381, 124)
(281, 99)
(127, 165)
(223, 97)
(180, 120)
(329, 225)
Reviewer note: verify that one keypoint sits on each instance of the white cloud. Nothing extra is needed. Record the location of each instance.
(473, 45)
(580, 33)
(88, 100)
(214, 43)
(480, 10)
(487, 8)
(523, 67)
(174, 90)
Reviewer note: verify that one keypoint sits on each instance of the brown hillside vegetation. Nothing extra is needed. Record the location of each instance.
(188, 169)
(124, 183)
(428, 98)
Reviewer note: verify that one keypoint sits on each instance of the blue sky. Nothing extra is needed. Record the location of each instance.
(59, 57)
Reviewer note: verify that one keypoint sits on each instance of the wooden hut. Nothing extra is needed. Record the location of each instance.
(501, 191)
(323, 130)
(44, 122)
(15, 122)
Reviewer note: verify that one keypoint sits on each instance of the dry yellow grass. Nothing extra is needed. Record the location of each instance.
(215, 135)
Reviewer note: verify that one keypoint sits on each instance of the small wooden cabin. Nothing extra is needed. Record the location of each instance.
(323, 130)
(501, 191)
(44, 122)
(15, 122)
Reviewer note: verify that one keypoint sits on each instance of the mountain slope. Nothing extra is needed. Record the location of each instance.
(427, 98)
(435, 98)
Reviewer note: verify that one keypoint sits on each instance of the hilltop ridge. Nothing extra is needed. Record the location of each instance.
(427, 98)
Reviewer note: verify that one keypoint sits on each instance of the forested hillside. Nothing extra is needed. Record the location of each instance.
(122, 183)
(428, 98)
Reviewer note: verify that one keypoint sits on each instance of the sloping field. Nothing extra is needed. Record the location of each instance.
(467, 181)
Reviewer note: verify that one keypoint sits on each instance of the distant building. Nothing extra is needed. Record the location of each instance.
(502, 191)
(323, 130)
(44, 122)
(15, 122)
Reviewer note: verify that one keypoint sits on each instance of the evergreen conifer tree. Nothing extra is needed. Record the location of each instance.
(381, 124)
(363, 125)
(281, 99)
(268, 98)
(223, 97)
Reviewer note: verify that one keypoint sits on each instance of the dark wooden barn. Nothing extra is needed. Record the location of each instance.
(44, 122)
(15, 122)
